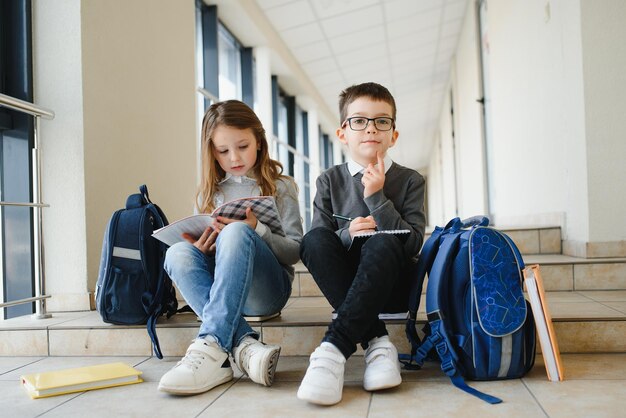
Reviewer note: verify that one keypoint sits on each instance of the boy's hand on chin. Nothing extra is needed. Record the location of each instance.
(374, 176)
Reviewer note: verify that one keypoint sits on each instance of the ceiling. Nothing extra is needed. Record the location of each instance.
(406, 45)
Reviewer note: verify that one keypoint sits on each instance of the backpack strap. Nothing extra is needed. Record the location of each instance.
(424, 263)
(479, 220)
(143, 189)
(152, 320)
(439, 338)
(156, 307)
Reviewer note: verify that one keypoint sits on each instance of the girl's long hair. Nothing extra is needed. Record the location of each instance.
(234, 114)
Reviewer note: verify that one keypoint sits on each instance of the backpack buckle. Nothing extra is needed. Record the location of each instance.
(448, 367)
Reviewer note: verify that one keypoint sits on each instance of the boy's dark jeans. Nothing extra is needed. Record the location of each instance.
(359, 284)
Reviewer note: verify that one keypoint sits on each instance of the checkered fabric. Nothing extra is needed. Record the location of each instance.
(263, 207)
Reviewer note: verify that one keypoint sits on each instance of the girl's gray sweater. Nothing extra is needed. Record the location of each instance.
(287, 248)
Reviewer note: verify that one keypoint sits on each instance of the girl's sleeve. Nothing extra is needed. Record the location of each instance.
(285, 248)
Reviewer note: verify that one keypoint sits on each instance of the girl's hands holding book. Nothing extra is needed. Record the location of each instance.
(250, 219)
(206, 241)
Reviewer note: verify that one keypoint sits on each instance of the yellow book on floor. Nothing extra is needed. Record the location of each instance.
(59, 382)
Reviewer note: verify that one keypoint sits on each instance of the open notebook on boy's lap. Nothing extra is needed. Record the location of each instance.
(263, 207)
(386, 316)
(360, 238)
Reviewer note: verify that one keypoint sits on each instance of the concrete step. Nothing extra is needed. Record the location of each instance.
(531, 240)
(559, 273)
(585, 322)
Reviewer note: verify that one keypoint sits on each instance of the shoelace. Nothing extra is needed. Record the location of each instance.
(192, 359)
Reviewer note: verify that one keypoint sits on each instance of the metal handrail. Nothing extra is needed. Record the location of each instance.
(29, 205)
(21, 301)
(25, 107)
(37, 112)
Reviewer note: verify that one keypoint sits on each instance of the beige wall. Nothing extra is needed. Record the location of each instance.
(557, 100)
(604, 64)
(538, 114)
(120, 76)
(139, 109)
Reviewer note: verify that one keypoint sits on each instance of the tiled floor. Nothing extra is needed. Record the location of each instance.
(595, 387)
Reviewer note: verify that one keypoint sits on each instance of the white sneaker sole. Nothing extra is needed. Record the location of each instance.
(181, 390)
(318, 397)
(382, 383)
(268, 365)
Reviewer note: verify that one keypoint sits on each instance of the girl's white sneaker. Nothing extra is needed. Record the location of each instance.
(257, 360)
(204, 366)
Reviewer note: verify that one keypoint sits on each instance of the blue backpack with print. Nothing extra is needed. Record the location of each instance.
(133, 287)
(479, 324)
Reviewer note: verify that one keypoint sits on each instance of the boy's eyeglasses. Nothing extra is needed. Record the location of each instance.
(359, 123)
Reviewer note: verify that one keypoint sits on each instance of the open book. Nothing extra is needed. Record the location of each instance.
(543, 322)
(59, 382)
(263, 207)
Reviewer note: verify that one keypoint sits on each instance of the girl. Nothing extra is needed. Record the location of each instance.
(237, 267)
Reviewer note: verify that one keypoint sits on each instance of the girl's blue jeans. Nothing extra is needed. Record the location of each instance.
(243, 277)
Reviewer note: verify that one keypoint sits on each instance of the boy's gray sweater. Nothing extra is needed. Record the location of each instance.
(399, 205)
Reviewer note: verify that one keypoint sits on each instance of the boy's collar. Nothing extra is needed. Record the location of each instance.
(356, 168)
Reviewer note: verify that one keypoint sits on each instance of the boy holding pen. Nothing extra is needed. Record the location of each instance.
(366, 193)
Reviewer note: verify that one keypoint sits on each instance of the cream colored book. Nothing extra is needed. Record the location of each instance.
(543, 323)
(59, 382)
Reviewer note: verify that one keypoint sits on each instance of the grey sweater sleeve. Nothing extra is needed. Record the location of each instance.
(287, 248)
(323, 210)
(410, 216)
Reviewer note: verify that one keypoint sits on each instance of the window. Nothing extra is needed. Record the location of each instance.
(16, 142)
(229, 63)
(326, 151)
(302, 143)
(225, 66)
(282, 152)
(226, 70)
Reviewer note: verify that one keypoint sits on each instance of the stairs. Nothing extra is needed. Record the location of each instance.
(587, 299)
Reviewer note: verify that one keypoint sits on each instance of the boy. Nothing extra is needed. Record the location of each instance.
(369, 192)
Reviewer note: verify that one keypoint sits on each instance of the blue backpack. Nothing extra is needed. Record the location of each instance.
(479, 323)
(133, 288)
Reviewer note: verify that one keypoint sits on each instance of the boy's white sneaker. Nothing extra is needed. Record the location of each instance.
(204, 366)
(323, 381)
(382, 368)
(257, 360)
